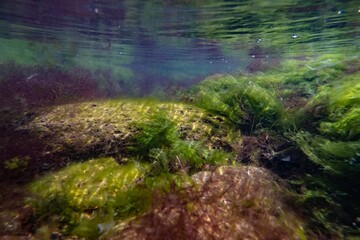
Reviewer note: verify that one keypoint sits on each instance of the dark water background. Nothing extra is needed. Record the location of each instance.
(143, 47)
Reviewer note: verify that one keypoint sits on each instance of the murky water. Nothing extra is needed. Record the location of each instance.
(146, 46)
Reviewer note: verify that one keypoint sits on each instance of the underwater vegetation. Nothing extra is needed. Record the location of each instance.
(159, 142)
(143, 169)
(314, 104)
(335, 146)
(241, 101)
(271, 152)
(87, 194)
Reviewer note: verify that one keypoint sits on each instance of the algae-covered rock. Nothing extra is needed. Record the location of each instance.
(86, 194)
(107, 127)
(228, 203)
(87, 199)
(90, 184)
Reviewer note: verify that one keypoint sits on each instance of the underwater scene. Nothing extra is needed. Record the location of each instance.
(179, 119)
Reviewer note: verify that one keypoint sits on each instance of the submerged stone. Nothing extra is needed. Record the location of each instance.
(89, 194)
(227, 203)
(106, 127)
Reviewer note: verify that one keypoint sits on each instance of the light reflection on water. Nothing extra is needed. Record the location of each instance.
(155, 43)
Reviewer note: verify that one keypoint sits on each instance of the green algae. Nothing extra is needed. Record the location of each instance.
(241, 101)
(166, 138)
(345, 127)
(16, 163)
(86, 199)
(332, 143)
(86, 192)
(334, 101)
(158, 132)
(335, 156)
(328, 88)
(159, 141)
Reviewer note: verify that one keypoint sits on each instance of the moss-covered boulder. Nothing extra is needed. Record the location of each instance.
(100, 198)
(83, 130)
(81, 197)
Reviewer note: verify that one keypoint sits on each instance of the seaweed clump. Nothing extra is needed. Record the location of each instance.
(242, 101)
(159, 142)
(334, 146)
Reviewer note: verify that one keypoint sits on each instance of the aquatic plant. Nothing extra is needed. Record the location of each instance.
(158, 132)
(345, 127)
(159, 142)
(335, 105)
(336, 157)
(241, 101)
(333, 146)
(296, 81)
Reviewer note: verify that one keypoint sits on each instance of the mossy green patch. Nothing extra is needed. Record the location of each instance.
(87, 199)
(346, 127)
(88, 192)
(304, 78)
(241, 101)
(89, 185)
(335, 156)
(332, 143)
(159, 141)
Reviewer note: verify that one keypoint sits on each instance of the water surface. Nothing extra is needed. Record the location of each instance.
(148, 46)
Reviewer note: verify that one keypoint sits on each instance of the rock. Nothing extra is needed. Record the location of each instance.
(228, 203)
